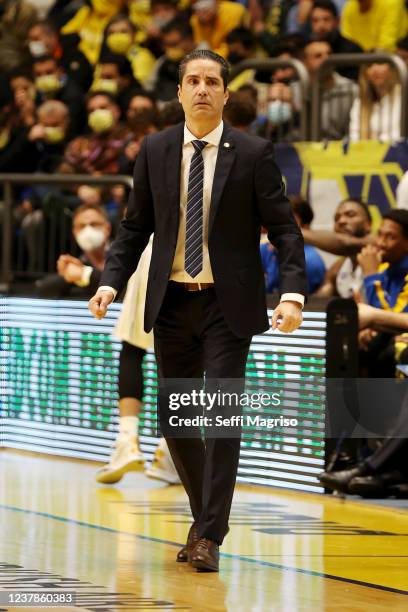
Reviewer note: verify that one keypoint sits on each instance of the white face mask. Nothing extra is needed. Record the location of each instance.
(37, 48)
(90, 238)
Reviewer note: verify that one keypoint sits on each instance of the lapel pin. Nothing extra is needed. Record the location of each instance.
(227, 145)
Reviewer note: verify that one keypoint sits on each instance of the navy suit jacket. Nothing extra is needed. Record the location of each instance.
(247, 193)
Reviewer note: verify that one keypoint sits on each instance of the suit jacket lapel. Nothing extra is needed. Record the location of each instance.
(225, 160)
(173, 152)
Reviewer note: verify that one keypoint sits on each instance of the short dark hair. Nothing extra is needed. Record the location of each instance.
(45, 58)
(84, 207)
(142, 93)
(239, 111)
(122, 62)
(24, 72)
(202, 54)
(46, 25)
(399, 216)
(118, 18)
(242, 35)
(326, 5)
(403, 44)
(303, 209)
(164, 3)
(92, 94)
(361, 203)
(291, 44)
(180, 25)
(171, 113)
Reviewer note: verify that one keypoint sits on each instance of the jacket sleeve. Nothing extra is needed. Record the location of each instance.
(276, 215)
(134, 230)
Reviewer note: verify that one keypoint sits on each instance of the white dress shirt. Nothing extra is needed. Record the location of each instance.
(210, 153)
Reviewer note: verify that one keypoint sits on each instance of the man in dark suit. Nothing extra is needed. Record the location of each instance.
(205, 189)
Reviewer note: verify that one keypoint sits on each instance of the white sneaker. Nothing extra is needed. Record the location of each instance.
(162, 466)
(127, 457)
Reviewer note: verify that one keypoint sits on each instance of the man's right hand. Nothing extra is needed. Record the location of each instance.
(98, 305)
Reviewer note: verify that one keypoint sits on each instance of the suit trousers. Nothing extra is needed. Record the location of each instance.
(192, 338)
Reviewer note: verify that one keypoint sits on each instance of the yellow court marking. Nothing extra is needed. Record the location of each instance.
(285, 551)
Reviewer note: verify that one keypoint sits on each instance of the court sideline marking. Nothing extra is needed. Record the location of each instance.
(225, 555)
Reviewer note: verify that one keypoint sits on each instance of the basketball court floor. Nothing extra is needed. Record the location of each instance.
(115, 547)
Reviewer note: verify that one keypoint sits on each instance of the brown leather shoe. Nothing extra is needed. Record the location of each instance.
(205, 556)
(184, 554)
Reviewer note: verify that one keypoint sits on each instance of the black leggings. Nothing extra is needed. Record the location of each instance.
(130, 371)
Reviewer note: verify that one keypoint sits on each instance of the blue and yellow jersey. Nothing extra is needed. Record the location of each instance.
(388, 289)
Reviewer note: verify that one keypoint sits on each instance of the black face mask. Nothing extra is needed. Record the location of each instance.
(235, 58)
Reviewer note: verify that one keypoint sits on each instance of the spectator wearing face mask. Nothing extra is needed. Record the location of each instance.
(49, 135)
(45, 145)
(98, 152)
(162, 12)
(176, 41)
(52, 83)
(279, 103)
(120, 39)
(43, 39)
(89, 24)
(212, 20)
(79, 277)
(114, 75)
(324, 25)
(241, 46)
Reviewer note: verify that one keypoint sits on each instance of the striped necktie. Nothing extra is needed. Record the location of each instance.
(193, 261)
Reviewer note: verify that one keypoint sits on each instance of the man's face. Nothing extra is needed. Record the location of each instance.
(120, 27)
(206, 11)
(379, 74)
(21, 85)
(137, 105)
(283, 75)
(102, 102)
(110, 72)
(55, 119)
(163, 13)
(315, 54)
(39, 34)
(173, 40)
(201, 92)
(92, 218)
(391, 241)
(322, 22)
(46, 68)
(350, 219)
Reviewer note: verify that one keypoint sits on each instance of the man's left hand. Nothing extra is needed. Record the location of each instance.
(287, 317)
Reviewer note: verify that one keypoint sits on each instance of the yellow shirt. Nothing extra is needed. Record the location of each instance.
(142, 61)
(231, 15)
(90, 24)
(378, 28)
